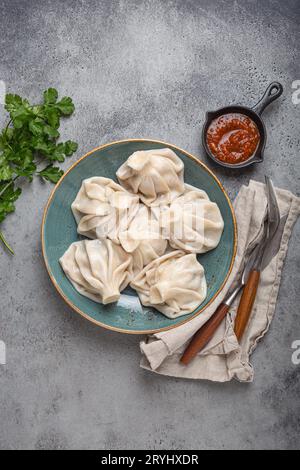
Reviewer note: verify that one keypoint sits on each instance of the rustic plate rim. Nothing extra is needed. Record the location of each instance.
(77, 309)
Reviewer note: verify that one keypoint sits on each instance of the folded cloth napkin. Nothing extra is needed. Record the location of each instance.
(223, 358)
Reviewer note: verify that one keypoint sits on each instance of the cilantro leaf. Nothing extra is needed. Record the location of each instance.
(12, 102)
(65, 106)
(52, 116)
(7, 200)
(26, 166)
(70, 147)
(5, 172)
(50, 96)
(51, 131)
(36, 127)
(51, 173)
(19, 110)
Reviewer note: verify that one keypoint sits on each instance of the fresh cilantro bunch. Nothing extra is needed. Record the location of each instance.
(28, 146)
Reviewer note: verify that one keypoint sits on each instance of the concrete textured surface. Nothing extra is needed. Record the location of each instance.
(143, 69)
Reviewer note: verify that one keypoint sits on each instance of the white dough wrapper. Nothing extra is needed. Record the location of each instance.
(192, 222)
(143, 239)
(156, 176)
(98, 269)
(174, 284)
(103, 208)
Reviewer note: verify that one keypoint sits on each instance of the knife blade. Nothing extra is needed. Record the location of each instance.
(275, 245)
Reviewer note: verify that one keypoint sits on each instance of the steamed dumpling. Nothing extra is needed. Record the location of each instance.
(103, 208)
(143, 239)
(192, 222)
(174, 284)
(98, 269)
(156, 176)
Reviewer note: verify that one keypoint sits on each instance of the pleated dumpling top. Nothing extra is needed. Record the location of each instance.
(98, 269)
(143, 239)
(156, 176)
(174, 284)
(103, 208)
(192, 222)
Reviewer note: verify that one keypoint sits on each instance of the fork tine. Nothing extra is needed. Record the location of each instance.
(273, 209)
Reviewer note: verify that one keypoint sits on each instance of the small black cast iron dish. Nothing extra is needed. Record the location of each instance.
(273, 92)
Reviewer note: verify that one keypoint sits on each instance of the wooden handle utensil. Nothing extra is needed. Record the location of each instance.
(246, 303)
(206, 332)
(203, 336)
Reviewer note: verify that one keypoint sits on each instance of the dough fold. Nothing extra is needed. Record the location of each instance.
(98, 269)
(174, 284)
(103, 208)
(156, 176)
(143, 239)
(192, 222)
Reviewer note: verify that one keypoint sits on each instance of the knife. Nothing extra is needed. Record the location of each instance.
(205, 333)
(262, 260)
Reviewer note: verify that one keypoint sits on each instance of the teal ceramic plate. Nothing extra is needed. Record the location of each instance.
(59, 231)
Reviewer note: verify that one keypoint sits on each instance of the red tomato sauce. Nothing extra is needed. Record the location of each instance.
(232, 138)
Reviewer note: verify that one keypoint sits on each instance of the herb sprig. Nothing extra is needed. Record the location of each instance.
(29, 147)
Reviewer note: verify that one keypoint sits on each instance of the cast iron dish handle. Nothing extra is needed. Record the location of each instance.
(273, 92)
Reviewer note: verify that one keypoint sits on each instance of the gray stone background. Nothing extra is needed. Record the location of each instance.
(143, 69)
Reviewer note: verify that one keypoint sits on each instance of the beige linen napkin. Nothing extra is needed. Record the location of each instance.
(223, 358)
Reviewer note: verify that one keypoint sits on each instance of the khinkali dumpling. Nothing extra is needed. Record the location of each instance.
(192, 222)
(98, 269)
(156, 176)
(143, 239)
(174, 284)
(103, 208)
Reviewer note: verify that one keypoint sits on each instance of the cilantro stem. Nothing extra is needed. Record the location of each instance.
(7, 126)
(8, 185)
(9, 248)
(5, 132)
